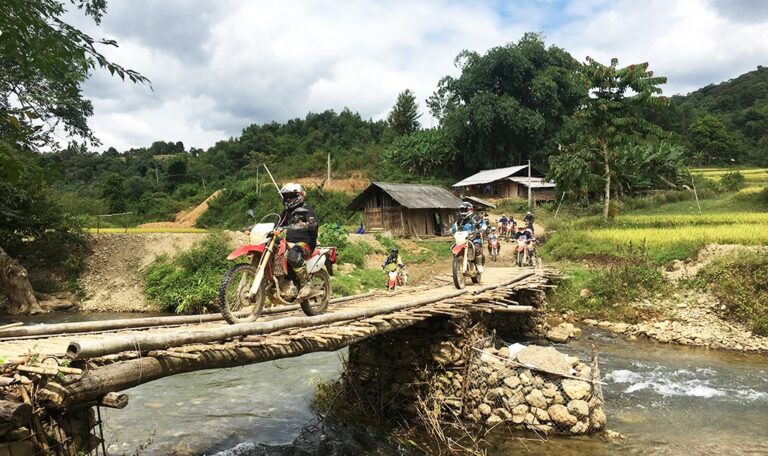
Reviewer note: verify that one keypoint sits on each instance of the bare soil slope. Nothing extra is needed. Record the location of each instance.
(186, 218)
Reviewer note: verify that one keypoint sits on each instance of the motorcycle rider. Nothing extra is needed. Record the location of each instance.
(467, 222)
(528, 219)
(493, 237)
(523, 232)
(301, 234)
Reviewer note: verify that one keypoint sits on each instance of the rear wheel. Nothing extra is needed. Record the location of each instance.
(477, 277)
(237, 305)
(321, 294)
(458, 274)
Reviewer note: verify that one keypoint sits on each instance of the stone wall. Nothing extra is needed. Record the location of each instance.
(456, 368)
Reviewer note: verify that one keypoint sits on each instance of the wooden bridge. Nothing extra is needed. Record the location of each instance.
(62, 367)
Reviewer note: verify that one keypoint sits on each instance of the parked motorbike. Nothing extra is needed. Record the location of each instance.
(493, 247)
(246, 285)
(464, 259)
(396, 276)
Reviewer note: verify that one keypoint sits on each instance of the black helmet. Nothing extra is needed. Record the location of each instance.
(465, 210)
(293, 195)
(394, 251)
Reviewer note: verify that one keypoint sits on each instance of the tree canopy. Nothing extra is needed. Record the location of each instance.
(44, 62)
(404, 117)
(508, 104)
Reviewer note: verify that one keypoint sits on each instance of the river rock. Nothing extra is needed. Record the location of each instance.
(579, 408)
(537, 399)
(493, 420)
(560, 333)
(447, 354)
(493, 378)
(549, 390)
(576, 389)
(619, 328)
(504, 352)
(558, 399)
(597, 418)
(540, 414)
(512, 381)
(515, 399)
(560, 415)
(503, 413)
(538, 382)
(530, 419)
(580, 428)
(525, 377)
(518, 413)
(590, 322)
(484, 408)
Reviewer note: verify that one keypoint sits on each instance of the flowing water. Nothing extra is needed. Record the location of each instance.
(664, 399)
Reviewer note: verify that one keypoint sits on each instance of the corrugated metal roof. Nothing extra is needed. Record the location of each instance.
(536, 182)
(411, 196)
(490, 175)
(474, 199)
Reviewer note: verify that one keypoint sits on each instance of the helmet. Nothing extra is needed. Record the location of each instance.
(394, 251)
(466, 210)
(520, 227)
(528, 213)
(493, 228)
(293, 195)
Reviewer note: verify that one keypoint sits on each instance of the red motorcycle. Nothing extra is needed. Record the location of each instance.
(244, 288)
(493, 247)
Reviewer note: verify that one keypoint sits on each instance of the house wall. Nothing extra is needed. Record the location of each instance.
(381, 212)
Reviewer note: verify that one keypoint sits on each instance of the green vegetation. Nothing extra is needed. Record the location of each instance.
(740, 281)
(610, 287)
(732, 181)
(189, 281)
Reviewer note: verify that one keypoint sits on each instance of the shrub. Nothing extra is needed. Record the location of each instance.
(355, 253)
(762, 198)
(732, 181)
(331, 234)
(189, 281)
(740, 281)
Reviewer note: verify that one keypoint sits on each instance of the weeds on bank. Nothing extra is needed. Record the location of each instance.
(605, 292)
(740, 282)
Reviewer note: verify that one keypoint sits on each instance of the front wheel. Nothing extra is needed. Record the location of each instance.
(458, 274)
(519, 259)
(317, 302)
(237, 304)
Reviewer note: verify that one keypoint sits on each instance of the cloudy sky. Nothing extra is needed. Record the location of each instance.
(217, 66)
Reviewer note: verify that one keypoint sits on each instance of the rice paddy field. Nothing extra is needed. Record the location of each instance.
(752, 176)
(674, 230)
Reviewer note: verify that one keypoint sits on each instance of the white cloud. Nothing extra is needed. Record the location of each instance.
(216, 67)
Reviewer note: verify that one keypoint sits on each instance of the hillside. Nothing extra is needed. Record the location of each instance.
(741, 104)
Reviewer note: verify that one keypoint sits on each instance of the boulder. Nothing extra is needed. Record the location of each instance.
(590, 322)
(525, 377)
(597, 418)
(493, 420)
(560, 333)
(580, 428)
(519, 413)
(536, 399)
(484, 408)
(576, 389)
(540, 414)
(512, 381)
(447, 354)
(560, 415)
(558, 399)
(515, 399)
(579, 408)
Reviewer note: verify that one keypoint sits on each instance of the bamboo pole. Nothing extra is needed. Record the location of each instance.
(126, 323)
(146, 342)
(124, 375)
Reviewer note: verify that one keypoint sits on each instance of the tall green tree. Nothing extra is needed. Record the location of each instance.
(44, 61)
(612, 115)
(404, 117)
(711, 140)
(507, 105)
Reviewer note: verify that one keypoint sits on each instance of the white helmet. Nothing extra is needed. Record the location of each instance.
(293, 195)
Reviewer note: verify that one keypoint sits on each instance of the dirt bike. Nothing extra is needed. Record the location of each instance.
(244, 287)
(493, 247)
(464, 259)
(396, 276)
(521, 251)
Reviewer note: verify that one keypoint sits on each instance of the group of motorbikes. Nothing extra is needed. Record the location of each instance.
(247, 285)
(466, 263)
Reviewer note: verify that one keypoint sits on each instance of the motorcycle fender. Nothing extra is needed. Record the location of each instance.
(458, 248)
(245, 250)
(315, 264)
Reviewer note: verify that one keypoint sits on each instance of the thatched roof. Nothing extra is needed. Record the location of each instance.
(411, 196)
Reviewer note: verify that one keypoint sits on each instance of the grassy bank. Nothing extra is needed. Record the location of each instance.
(612, 264)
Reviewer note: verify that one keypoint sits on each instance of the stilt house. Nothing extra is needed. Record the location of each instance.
(407, 209)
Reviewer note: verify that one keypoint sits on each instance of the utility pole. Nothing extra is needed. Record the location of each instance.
(529, 186)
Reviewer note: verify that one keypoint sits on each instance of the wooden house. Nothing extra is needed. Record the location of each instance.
(510, 182)
(407, 209)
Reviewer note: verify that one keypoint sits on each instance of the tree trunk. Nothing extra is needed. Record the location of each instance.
(607, 208)
(14, 284)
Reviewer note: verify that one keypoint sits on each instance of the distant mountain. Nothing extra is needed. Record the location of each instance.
(741, 104)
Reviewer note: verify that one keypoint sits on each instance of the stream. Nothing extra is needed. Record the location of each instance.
(664, 399)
